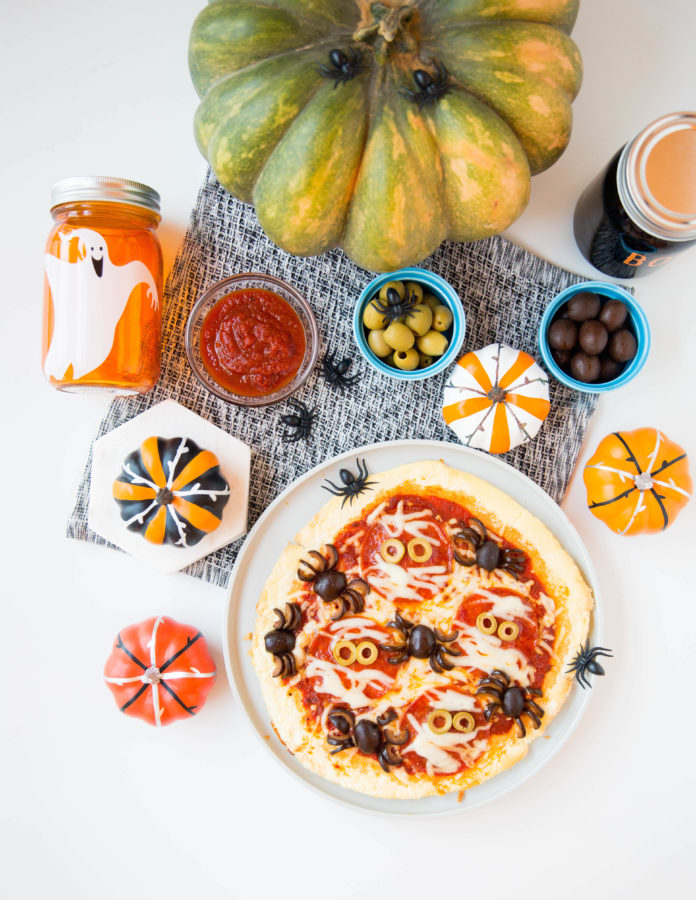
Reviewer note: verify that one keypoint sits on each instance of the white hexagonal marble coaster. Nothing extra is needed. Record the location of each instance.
(168, 420)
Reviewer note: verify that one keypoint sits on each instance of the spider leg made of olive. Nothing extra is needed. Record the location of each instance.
(280, 642)
(299, 422)
(336, 373)
(511, 700)
(586, 661)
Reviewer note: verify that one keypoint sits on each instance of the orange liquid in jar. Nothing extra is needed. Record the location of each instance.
(129, 321)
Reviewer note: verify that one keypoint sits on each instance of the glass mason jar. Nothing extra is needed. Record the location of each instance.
(641, 209)
(102, 321)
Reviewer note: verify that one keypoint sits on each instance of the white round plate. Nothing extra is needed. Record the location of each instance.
(278, 526)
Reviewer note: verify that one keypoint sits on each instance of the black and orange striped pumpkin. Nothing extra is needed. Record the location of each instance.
(171, 491)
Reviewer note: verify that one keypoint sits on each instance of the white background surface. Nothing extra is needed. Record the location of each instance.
(96, 805)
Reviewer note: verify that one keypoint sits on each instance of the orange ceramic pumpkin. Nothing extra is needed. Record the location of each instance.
(637, 481)
(160, 670)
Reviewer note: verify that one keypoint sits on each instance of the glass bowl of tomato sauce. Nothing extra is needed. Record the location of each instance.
(252, 339)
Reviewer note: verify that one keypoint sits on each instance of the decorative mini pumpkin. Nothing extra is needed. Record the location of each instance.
(383, 127)
(171, 491)
(160, 671)
(496, 398)
(637, 481)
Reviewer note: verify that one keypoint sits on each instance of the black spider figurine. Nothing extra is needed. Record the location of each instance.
(421, 642)
(370, 738)
(330, 584)
(281, 641)
(352, 486)
(299, 422)
(486, 553)
(511, 700)
(336, 373)
(430, 89)
(344, 66)
(586, 661)
(395, 307)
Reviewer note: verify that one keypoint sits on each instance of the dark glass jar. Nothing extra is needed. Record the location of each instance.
(640, 211)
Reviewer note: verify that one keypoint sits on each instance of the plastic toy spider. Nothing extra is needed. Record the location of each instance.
(336, 373)
(299, 422)
(370, 738)
(511, 700)
(421, 642)
(330, 584)
(586, 661)
(344, 66)
(352, 486)
(395, 307)
(430, 89)
(486, 553)
(281, 641)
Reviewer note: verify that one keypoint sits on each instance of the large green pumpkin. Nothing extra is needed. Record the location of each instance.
(383, 127)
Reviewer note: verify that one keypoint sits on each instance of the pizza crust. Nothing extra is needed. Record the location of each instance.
(551, 564)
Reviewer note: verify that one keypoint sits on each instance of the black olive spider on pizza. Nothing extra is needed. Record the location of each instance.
(484, 552)
(421, 642)
(319, 570)
(511, 700)
(370, 738)
(280, 642)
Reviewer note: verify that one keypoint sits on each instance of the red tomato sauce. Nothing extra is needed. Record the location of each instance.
(252, 342)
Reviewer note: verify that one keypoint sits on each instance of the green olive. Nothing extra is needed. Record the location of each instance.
(399, 336)
(442, 318)
(406, 359)
(431, 300)
(420, 319)
(415, 289)
(425, 360)
(433, 343)
(398, 286)
(377, 344)
(372, 317)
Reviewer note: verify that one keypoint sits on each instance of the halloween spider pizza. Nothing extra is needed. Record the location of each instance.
(416, 636)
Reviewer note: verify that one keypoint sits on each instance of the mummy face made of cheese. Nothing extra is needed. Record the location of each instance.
(406, 555)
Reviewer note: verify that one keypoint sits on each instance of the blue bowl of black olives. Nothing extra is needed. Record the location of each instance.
(594, 337)
(409, 324)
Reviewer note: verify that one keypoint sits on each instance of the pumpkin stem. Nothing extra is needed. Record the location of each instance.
(388, 22)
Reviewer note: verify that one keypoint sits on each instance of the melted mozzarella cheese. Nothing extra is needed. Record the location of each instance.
(488, 652)
(358, 680)
(507, 606)
(453, 701)
(356, 628)
(443, 753)
(419, 523)
(395, 582)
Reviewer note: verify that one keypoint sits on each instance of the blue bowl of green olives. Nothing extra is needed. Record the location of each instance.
(409, 324)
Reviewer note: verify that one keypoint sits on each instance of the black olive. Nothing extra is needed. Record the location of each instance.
(330, 584)
(368, 736)
(340, 723)
(513, 702)
(488, 555)
(421, 642)
(279, 641)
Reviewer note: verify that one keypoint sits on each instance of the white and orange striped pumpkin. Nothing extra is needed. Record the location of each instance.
(496, 398)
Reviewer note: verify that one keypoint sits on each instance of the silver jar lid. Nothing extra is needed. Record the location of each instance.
(656, 178)
(86, 188)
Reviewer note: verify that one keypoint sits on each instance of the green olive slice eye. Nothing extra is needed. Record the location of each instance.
(508, 631)
(366, 653)
(463, 721)
(345, 652)
(392, 550)
(420, 550)
(439, 721)
(487, 623)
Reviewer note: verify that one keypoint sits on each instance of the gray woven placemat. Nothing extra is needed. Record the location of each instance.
(504, 289)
